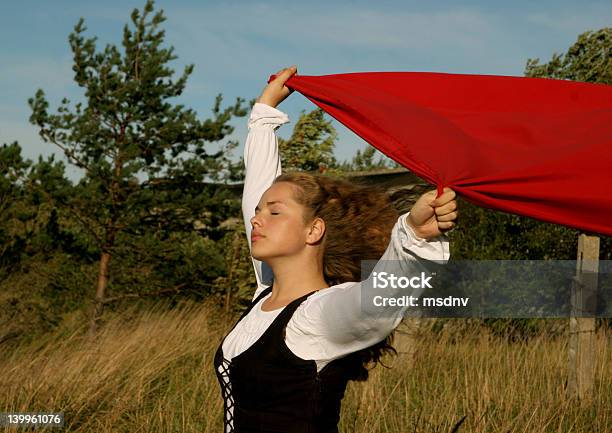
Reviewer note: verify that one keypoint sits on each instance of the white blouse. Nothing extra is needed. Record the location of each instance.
(330, 323)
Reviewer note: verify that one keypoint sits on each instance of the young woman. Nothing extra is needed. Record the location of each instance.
(285, 364)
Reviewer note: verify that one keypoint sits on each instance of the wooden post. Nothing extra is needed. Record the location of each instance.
(406, 340)
(582, 320)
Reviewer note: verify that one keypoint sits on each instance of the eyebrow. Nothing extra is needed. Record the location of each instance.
(269, 203)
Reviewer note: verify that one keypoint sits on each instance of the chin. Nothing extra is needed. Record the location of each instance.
(257, 255)
(263, 254)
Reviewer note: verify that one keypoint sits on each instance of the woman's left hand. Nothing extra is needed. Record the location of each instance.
(431, 216)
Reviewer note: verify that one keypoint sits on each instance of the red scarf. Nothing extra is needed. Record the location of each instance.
(530, 146)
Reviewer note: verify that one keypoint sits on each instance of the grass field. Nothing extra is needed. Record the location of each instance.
(153, 372)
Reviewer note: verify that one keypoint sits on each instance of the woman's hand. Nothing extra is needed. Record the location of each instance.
(431, 216)
(276, 91)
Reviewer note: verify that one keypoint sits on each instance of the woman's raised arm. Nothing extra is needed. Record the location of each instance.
(261, 158)
(262, 166)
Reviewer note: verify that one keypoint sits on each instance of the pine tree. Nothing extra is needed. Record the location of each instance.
(364, 161)
(311, 144)
(125, 128)
(589, 59)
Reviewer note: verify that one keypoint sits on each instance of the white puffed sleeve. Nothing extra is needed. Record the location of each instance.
(262, 166)
(332, 322)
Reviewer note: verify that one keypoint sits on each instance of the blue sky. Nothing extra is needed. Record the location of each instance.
(236, 45)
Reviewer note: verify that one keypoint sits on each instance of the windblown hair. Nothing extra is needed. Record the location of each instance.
(358, 223)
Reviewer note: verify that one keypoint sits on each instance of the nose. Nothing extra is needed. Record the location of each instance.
(254, 220)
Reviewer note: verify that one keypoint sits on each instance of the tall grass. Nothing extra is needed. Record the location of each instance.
(152, 372)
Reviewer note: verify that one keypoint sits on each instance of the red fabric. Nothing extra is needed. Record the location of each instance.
(530, 146)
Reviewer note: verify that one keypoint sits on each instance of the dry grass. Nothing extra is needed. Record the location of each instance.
(152, 372)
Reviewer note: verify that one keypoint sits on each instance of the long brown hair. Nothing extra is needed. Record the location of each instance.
(358, 222)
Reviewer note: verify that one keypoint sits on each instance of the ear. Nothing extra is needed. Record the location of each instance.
(316, 231)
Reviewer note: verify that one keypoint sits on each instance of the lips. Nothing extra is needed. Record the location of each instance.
(255, 236)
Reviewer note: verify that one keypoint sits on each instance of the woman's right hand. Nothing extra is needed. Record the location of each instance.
(276, 91)
(431, 216)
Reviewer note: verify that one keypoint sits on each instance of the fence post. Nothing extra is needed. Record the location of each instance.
(582, 320)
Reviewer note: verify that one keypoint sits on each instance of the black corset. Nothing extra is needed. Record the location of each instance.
(270, 389)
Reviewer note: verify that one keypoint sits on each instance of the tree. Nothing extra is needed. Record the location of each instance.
(311, 143)
(125, 128)
(24, 188)
(13, 174)
(589, 59)
(29, 237)
(365, 161)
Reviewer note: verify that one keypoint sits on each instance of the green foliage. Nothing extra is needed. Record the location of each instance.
(25, 191)
(128, 128)
(365, 161)
(486, 234)
(237, 286)
(152, 195)
(311, 146)
(13, 171)
(311, 143)
(589, 59)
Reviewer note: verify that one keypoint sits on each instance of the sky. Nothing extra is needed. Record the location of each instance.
(236, 45)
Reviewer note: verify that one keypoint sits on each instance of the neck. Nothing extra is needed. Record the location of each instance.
(290, 284)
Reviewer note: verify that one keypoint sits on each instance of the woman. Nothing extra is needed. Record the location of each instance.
(284, 366)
